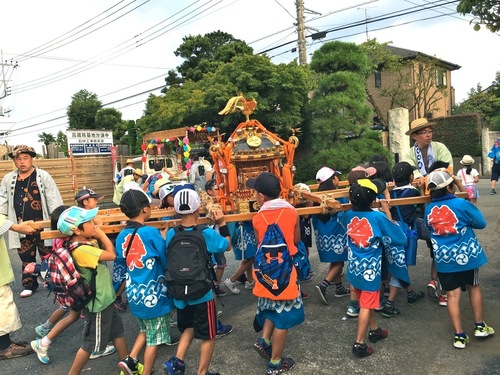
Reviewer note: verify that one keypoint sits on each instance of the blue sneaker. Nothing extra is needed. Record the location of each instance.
(41, 331)
(264, 350)
(284, 365)
(223, 329)
(174, 366)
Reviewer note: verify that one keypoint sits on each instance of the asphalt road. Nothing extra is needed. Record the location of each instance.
(420, 340)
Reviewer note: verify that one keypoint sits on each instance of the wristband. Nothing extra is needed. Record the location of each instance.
(224, 231)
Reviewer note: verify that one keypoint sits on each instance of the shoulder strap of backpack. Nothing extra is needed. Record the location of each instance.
(130, 242)
(262, 214)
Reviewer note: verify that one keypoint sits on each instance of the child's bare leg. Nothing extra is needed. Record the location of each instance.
(206, 351)
(81, 359)
(139, 343)
(364, 319)
(476, 302)
(184, 343)
(121, 347)
(64, 323)
(149, 359)
(454, 309)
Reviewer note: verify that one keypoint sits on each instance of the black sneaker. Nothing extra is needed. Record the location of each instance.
(377, 334)
(362, 350)
(174, 340)
(242, 279)
(129, 366)
(493, 192)
(390, 311)
(284, 365)
(413, 300)
(321, 294)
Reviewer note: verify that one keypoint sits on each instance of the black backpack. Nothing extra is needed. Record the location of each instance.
(189, 270)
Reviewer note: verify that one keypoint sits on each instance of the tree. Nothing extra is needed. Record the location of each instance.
(483, 101)
(62, 142)
(486, 12)
(111, 119)
(280, 90)
(203, 54)
(340, 115)
(83, 109)
(46, 139)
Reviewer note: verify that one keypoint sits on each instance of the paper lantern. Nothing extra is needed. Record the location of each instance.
(186, 159)
(143, 159)
(150, 145)
(186, 154)
(198, 128)
(158, 140)
(185, 140)
(191, 129)
(143, 147)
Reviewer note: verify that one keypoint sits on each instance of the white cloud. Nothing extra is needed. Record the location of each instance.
(139, 56)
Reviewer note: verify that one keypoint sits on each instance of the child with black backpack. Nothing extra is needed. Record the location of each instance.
(141, 250)
(190, 281)
(102, 321)
(280, 305)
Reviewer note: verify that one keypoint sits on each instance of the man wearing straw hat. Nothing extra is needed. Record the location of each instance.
(425, 151)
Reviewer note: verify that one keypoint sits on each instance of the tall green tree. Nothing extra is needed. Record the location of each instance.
(486, 12)
(83, 109)
(46, 139)
(483, 101)
(203, 54)
(111, 119)
(340, 115)
(280, 90)
(62, 142)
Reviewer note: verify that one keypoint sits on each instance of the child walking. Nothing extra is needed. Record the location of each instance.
(275, 316)
(369, 233)
(457, 252)
(102, 321)
(469, 177)
(196, 318)
(330, 240)
(142, 250)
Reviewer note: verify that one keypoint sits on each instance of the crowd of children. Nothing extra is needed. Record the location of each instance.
(373, 245)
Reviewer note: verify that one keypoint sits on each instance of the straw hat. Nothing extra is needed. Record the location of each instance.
(129, 161)
(418, 124)
(467, 160)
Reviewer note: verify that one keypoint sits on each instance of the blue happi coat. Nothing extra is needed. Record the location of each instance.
(371, 235)
(331, 238)
(451, 221)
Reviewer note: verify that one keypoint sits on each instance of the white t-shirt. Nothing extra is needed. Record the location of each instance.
(467, 179)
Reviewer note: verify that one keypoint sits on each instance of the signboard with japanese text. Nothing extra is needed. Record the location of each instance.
(90, 142)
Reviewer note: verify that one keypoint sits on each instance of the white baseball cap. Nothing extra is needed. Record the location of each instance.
(186, 201)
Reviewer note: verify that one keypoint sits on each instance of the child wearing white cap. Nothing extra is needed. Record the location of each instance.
(330, 240)
(458, 255)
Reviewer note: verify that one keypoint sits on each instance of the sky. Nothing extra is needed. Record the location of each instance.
(122, 50)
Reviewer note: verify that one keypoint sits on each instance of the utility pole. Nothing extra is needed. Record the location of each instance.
(5, 90)
(301, 32)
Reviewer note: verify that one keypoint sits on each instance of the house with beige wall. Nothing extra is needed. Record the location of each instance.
(431, 95)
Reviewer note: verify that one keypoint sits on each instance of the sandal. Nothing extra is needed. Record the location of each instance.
(26, 293)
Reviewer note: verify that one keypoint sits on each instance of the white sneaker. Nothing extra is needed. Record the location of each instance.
(231, 286)
(249, 286)
(41, 351)
(110, 349)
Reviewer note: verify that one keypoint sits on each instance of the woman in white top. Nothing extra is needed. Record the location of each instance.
(469, 177)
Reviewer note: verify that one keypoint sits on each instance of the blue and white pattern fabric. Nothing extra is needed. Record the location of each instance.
(451, 221)
(370, 235)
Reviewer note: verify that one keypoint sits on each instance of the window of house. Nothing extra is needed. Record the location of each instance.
(378, 79)
(440, 78)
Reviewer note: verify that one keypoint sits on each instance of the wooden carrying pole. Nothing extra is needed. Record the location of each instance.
(331, 206)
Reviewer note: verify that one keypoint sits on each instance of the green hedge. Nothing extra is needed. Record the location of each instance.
(460, 133)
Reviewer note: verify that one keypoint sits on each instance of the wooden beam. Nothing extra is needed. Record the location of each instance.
(162, 224)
